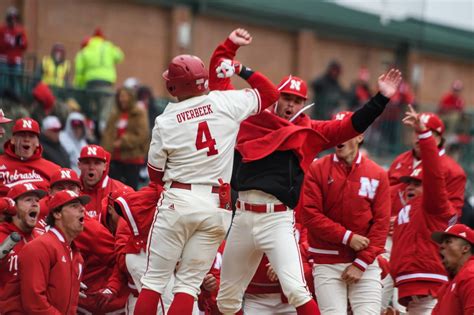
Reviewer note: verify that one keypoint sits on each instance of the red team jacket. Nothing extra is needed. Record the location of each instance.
(415, 263)
(50, 274)
(454, 175)
(97, 246)
(9, 264)
(101, 190)
(457, 296)
(14, 170)
(338, 202)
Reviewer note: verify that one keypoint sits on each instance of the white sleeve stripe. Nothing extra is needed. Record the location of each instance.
(361, 263)
(346, 237)
(425, 135)
(154, 167)
(129, 215)
(259, 100)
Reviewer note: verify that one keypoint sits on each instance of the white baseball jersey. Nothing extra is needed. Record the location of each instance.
(193, 141)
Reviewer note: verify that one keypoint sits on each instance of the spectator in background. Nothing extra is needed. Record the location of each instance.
(13, 44)
(146, 100)
(96, 70)
(73, 137)
(22, 160)
(127, 137)
(456, 250)
(52, 149)
(3, 120)
(451, 106)
(54, 69)
(43, 101)
(360, 90)
(328, 93)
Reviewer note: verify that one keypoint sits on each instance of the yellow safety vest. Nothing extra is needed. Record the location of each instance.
(53, 74)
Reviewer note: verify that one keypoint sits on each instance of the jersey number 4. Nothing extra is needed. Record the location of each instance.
(204, 139)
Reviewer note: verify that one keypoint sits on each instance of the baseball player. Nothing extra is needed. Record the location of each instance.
(274, 149)
(3, 120)
(456, 250)
(346, 209)
(96, 183)
(403, 165)
(22, 161)
(415, 262)
(191, 153)
(50, 266)
(21, 218)
(61, 179)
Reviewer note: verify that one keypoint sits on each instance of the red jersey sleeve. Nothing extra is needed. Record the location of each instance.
(435, 196)
(379, 229)
(312, 212)
(34, 272)
(336, 131)
(226, 50)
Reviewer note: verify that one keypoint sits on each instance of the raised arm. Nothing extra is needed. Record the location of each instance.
(226, 50)
(338, 131)
(435, 196)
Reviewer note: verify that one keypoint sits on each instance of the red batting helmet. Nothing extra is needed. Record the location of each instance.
(186, 76)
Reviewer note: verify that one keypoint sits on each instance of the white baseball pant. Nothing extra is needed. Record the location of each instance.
(136, 265)
(332, 292)
(389, 291)
(266, 304)
(188, 226)
(253, 234)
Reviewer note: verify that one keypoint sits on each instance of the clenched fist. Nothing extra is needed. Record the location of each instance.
(240, 37)
(359, 242)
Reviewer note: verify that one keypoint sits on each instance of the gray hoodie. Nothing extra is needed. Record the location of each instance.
(73, 145)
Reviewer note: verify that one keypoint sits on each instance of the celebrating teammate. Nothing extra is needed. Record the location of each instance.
(346, 209)
(415, 262)
(191, 154)
(275, 148)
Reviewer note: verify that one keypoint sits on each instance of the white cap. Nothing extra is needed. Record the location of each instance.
(51, 122)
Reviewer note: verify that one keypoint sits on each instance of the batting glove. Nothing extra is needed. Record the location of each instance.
(7, 206)
(228, 68)
(103, 297)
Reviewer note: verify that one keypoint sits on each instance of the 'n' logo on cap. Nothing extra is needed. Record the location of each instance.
(416, 172)
(65, 174)
(72, 194)
(463, 234)
(29, 186)
(424, 118)
(27, 124)
(340, 116)
(295, 85)
(91, 151)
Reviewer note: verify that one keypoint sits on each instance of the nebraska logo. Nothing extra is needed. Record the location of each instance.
(65, 174)
(295, 85)
(27, 124)
(91, 151)
(368, 187)
(12, 178)
(404, 215)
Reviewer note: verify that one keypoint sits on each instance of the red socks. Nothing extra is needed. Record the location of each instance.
(182, 304)
(309, 308)
(147, 302)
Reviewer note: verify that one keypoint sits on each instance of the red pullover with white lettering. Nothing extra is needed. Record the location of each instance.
(15, 170)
